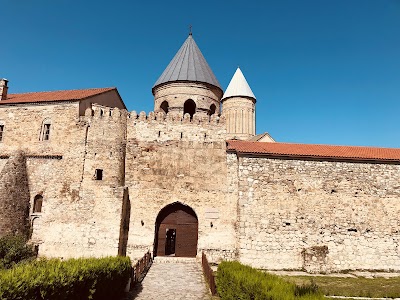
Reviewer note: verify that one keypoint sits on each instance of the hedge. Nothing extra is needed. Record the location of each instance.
(236, 281)
(83, 278)
(13, 249)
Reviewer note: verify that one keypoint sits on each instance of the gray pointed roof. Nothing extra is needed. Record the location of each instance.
(188, 64)
(238, 86)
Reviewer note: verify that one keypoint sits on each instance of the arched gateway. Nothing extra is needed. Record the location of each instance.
(176, 231)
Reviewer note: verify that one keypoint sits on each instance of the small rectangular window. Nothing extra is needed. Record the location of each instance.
(46, 132)
(98, 174)
(1, 132)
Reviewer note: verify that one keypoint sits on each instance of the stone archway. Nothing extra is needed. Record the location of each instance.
(176, 231)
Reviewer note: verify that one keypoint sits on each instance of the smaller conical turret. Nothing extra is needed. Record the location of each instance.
(238, 105)
(238, 87)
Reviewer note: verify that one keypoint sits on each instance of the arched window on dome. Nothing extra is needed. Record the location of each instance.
(37, 204)
(189, 107)
(212, 110)
(164, 106)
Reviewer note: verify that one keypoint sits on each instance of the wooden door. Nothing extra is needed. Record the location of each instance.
(183, 219)
(186, 240)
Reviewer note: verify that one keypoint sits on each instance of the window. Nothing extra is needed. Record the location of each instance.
(37, 204)
(98, 174)
(189, 107)
(164, 106)
(1, 132)
(212, 109)
(45, 134)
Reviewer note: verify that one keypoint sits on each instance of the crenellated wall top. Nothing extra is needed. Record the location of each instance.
(175, 118)
(99, 111)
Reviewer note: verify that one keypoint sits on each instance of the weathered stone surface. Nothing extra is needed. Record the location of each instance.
(240, 117)
(14, 197)
(171, 161)
(80, 215)
(320, 216)
(177, 93)
(290, 208)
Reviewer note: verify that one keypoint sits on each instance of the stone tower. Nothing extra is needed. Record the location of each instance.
(187, 85)
(239, 108)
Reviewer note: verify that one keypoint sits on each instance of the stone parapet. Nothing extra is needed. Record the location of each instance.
(171, 126)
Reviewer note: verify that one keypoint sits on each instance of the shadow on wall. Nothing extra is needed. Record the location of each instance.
(124, 227)
(14, 197)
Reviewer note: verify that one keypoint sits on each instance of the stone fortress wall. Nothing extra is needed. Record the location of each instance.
(79, 215)
(104, 175)
(43, 160)
(270, 213)
(173, 159)
(318, 215)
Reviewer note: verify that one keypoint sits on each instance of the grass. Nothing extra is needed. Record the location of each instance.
(352, 287)
(237, 281)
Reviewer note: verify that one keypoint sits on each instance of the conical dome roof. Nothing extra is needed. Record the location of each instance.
(188, 65)
(238, 86)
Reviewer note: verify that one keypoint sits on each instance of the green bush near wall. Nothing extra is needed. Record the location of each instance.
(83, 278)
(13, 250)
(236, 281)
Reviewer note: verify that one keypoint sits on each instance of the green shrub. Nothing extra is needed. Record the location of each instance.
(236, 281)
(13, 249)
(90, 278)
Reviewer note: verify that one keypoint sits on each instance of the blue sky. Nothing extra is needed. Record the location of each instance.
(323, 72)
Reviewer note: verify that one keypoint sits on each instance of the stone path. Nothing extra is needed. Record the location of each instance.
(172, 279)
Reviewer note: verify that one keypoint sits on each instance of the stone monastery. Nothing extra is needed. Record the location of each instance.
(82, 176)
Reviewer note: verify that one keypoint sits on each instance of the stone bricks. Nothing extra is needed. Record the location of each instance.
(80, 215)
(105, 174)
(177, 93)
(240, 117)
(292, 208)
(170, 160)
(14, 197)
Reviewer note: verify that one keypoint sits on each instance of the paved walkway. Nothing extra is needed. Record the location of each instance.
(172, 279)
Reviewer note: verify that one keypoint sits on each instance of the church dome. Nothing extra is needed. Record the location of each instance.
(188, 64)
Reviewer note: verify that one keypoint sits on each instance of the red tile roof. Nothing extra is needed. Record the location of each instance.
(354, 153)
(70, 95)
